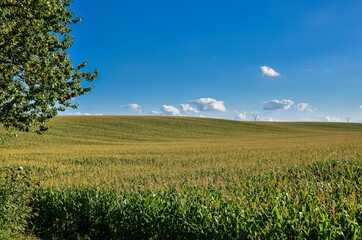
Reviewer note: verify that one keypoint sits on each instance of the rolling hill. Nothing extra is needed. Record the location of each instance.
(123, 149)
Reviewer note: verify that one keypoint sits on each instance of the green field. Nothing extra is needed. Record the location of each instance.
(132, 151)
(159, 177)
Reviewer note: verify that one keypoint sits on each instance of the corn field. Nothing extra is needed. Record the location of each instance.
(154, 178)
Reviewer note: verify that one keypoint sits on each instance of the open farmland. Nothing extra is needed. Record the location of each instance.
(148, 152)
(161, 177)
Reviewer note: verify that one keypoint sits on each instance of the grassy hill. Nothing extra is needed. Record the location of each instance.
(128, 150)
(127, 177)
(124, 129)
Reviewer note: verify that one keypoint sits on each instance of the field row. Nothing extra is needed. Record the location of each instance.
(314, 201)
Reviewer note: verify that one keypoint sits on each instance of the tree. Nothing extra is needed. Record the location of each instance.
(37, 76)
(255, 116)
(348, 119)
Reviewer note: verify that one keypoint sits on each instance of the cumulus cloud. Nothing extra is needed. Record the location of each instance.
(360, 106)
(240, 116)
(170, 110)
(269, 71)
(330, 119)
(277, 104)
(305, 107)
(133, 106)
(155, 112)
(308, 120)
(208, 104)
(187, 108)
(271, 119)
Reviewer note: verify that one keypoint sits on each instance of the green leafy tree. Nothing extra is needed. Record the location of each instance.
(37, 76)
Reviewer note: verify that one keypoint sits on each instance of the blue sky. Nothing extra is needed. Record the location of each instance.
(285, 60)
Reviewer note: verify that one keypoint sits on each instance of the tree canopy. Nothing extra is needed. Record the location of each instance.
(37, 76)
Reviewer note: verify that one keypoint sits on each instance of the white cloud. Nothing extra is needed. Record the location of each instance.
(309, 70)
(330, 119)
(208, 104)
(360, 106)
(271, 119)
(269, 71)
(155, 112)
(170, 110)
(240, 116)
(308, 120)
(277, 104)
(133, 107)
(255, 112)
(188, 108)
(305, 107)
